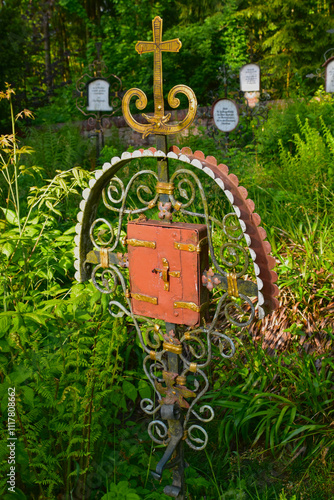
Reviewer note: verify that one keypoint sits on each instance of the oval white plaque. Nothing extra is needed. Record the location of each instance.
(225, 115)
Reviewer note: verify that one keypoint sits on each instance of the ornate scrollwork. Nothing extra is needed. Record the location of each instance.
(152, 331)
(223, 339)
(161, 429)
(202, 410)
(234, 250)
(101, 233)
(177, 387)
(191, 438)
(104, 280)
(197, 348)
(158, 123)
(230, 230)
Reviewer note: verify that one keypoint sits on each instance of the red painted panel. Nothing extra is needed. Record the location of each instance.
(146, 266)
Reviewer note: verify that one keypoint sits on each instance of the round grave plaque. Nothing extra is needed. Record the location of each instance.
(225, 115)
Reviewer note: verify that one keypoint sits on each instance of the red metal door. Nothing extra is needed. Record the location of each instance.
(166, 262)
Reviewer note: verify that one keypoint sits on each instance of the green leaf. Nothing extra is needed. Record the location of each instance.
(144, 389)
(129, 390)
(4, 346)
(5, 323)
(28, 395)
(7, 249)
(10, 216)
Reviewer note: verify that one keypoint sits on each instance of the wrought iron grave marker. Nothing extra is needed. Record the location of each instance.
(178, 249)
(225, 115)
(97, 98)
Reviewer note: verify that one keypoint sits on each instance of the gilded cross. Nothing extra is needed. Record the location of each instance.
(158, 123)
(158, 46)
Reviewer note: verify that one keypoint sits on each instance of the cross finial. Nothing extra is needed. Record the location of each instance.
(158, 122)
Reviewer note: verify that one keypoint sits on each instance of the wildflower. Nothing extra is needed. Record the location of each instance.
(7, 93)
(26, 113)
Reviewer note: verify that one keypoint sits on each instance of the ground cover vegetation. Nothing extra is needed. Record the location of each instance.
(76, 370)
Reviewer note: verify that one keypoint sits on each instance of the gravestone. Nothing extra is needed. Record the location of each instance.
(329, 75)
(98, 95)
(250, 78)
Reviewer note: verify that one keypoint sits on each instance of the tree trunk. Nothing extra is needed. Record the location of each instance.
(47, 52)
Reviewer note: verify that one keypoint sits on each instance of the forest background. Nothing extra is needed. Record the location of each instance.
(77, 371)
(45, 45)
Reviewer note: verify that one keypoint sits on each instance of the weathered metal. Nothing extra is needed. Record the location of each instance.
(169, 270)
(166, 269)
(173, 348)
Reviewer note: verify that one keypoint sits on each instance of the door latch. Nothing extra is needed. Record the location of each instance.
(165, 273)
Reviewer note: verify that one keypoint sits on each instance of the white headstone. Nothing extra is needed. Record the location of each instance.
(330, 77)
(225, 115)
(250, 78)
(98, 95)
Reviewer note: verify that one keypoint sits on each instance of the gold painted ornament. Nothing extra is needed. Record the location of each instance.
(158, 123)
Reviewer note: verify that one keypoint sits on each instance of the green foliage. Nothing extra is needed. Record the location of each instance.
(282, 124)
(276, 400)
(288, 37)
(306, 174)
(57, 150)
(77, 372)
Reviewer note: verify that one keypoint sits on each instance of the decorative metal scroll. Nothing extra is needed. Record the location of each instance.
(159, 122)
(98, 69)
(103, 258)
(237, 256)
(233, 264)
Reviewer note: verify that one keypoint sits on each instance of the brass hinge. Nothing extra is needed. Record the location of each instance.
(191, 305)
(140, 243)
(190, 247)
(144, 298)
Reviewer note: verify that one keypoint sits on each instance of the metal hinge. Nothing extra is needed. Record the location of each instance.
(143, 298)
(191, 305)
(140, 243)
(190, 247)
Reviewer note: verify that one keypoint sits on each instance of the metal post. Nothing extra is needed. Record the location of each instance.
(171, 413)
